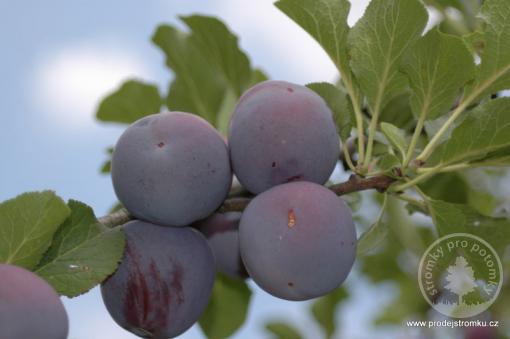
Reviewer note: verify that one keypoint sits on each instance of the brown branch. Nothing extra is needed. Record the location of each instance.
(355, 183)
(116, 218)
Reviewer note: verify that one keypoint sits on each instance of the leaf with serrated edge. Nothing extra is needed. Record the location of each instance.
(227, 308)
(437, 66)
(494, 69)
(221, 47)
(486, 129)
(326, 22)
(132, 101)
(197, 87)
(339, 105)
(395, 136)
(83, 253)
(375, 235)
(377, 43)
(27, 225)
(207, 62)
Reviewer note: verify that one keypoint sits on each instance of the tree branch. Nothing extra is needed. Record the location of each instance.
(116, 218)
(355, 183)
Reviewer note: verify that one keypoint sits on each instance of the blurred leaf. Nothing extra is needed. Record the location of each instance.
(339, 104)
(437, 66)
(326, 22)
(225, 112)
(381, 265)
(475, 42)
(280, 330)
(486, 129)
(227, 308)
(107, 165)
(207, 63)
(456, 218)
(387, 161)
(323, 310)
(409, 303)
(27, 225)
(132, 101)
(494, 69)
(377, 43)
(197, 87)
(375, 235)
(221, 48)
(258, 76)
(396, 137)
(83, 253)
(445, 3)
(354, 200)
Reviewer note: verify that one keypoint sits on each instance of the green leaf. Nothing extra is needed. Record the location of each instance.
(132, 101)
(494, 69)
(475, 42)
(207, 62)
(448, 187)
(457, 218)
(437, 66)
(107, 164)
(339, 104)
(225, 112)
(377, 43)
(197, 87)
(486, 129)
(221, 48)
(408, 304)
(398, 112)
(396, 137)
(375, 235)
(326, 22)
(445, 3)
(323, 310)
(27, 225)
(281, 330)
(387, 161)
(83, 253)
(227, 308)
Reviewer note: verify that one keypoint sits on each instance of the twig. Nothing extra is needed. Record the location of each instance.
(355, 183)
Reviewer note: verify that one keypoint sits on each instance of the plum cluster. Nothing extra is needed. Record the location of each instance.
(173, 170)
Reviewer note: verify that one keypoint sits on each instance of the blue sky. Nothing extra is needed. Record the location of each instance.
(60, 57)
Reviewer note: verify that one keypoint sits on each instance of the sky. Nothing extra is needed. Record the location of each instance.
(58, 60)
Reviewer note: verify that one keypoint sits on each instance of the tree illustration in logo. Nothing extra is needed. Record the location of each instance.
(460, 278)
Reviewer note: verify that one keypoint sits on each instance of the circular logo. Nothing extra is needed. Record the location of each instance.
(460, 275)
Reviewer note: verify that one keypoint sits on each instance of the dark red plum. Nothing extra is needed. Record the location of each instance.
(164, 281)
(297, 240)
(29, 306)
(171, 169)
(222, 233)
(282, 132)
